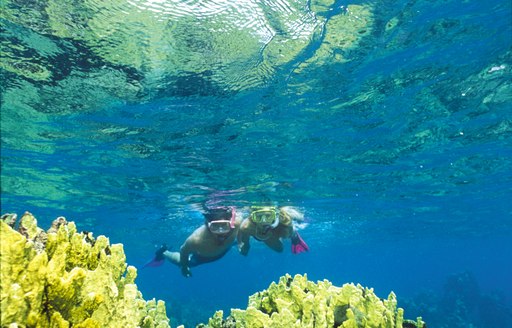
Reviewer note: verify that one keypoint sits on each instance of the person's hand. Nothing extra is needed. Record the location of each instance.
(185, 271)
(243, 248)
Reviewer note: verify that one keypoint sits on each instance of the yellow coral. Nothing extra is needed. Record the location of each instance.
(298, 302)
(65, 278)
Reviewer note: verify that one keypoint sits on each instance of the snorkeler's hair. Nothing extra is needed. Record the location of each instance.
(218, 213)
(292, 212)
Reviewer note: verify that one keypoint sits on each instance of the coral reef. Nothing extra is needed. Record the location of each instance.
(461, 304)
(62, 278)
(298, 302)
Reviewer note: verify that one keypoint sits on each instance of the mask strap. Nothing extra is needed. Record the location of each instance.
(233, 217)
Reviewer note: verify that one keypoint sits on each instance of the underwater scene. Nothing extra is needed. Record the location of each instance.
(281, 147)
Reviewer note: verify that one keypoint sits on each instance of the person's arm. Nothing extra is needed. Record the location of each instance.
(280, 232)
(243, 237)
(286, 231)
(184, 257)
(275, 244)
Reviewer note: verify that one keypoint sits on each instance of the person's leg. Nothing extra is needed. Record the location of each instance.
(173, 257)
(196, 259)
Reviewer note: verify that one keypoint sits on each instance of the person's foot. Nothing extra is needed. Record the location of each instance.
(159, 258)
(298, 244)
(159, 254)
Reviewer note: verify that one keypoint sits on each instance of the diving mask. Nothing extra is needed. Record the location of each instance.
(223, 226)
(219, 227)
(265, 217)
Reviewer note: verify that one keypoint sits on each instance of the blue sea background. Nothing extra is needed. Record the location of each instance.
(396, 147)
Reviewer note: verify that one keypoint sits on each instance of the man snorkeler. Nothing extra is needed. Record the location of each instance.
(270, 225)
(208, 243)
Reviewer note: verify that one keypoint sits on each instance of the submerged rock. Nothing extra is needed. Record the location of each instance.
(298, 302)
(62, 278)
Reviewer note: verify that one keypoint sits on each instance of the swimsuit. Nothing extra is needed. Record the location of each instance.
(197, 259)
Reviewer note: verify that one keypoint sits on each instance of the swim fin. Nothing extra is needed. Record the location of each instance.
(159, 259)
(298, 244)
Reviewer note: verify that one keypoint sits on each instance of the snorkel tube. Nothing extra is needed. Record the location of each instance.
(233, 217)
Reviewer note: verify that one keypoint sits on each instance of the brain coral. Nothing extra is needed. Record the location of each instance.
(62, 278)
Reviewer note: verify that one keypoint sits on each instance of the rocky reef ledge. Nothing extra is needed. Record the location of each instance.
(61, 278)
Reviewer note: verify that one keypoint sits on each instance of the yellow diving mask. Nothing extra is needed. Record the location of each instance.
(265, 217)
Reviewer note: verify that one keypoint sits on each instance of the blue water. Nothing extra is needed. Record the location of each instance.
(397, 146)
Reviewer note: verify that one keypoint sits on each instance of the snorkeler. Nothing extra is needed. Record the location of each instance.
(270, 225)
(207, 243)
